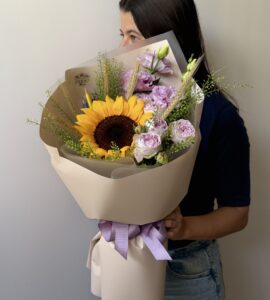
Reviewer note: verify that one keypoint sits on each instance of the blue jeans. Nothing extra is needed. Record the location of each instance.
(195, 273)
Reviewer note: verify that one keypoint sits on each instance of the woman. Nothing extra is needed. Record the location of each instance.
(221, 170)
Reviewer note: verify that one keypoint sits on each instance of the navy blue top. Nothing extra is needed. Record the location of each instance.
(221, 170)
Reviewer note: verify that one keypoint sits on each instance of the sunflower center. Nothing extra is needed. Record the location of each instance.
(115, 129)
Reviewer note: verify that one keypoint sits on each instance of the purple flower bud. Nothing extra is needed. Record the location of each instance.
(147, 145)
(159, 127)
(164, 66)
(181, 130)
(144, 82)
(146, 60)
(163, 95)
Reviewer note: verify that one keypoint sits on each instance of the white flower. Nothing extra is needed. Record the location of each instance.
(147, 145)
(181, 130)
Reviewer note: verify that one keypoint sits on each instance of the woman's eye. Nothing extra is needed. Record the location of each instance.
(133, 38)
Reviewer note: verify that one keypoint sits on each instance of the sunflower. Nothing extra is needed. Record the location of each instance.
(111, 123)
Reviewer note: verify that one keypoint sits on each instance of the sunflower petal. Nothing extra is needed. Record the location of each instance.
(101, 108)
(125, 108)
(132, 103)
(110, 153)
(101, 152)
(137, 111)
(144, 118)
(118, 106)
(124, 150)
(88, 138)
(80, 129)
(109, 102)
(94, 116)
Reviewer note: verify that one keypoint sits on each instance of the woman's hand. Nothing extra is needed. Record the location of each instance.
(174, 225)
(216, 224)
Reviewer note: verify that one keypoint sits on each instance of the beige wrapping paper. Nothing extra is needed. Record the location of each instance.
(122, 192)
(137, 199)
(140, 277)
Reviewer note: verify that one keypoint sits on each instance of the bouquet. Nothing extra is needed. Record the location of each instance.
(123, 133)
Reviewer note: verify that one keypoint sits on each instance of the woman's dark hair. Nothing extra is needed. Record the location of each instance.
(154, 17)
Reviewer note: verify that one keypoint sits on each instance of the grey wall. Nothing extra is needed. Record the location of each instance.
(43, 234)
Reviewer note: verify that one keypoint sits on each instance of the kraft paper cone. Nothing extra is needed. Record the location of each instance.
(138, 277)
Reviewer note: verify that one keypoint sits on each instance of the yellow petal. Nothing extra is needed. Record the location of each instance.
(109, 103)
(110, 153)
(93, 116)
(124, 150)
(82, 118)
(145, 117)
(132, 101)
(88, 139)
(80, 129)
(118, 106)
(87, 127)
(101, 108)
(137, 111)
(125, 108)
(101, 152)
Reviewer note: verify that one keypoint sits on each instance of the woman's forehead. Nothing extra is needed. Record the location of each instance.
(128, 24)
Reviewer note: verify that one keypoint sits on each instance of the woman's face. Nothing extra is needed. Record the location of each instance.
(129, 30)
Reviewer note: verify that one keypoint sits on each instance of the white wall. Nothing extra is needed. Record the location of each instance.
(43, 234)
(237, 38)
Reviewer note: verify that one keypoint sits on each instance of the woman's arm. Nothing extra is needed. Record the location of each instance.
(219, 223)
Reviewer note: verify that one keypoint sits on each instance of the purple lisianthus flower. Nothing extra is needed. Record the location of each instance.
(159, 127)
(146, 60)
(163, 95)
(145, 97)
(149, 105)
(181, 130)
(147, 145)
(163, 67)
(144, 82)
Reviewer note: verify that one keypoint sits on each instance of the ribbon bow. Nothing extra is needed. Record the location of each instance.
(153, 235)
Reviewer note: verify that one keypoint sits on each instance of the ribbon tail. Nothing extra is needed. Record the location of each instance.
(156, 248)
(121, 238)
(153, 239)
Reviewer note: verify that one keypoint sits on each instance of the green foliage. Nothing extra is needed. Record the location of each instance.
(87, 151)
(210, 86)
(185, 108)
(175, 148)
(112, 70)
(115, 152)
(67, 135)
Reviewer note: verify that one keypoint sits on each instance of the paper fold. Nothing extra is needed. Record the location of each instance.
(138, 277)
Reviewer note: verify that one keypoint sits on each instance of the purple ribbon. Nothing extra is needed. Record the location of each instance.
(153, 235)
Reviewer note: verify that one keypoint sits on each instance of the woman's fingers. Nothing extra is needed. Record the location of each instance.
(170, 223)
(172, 215)
(173, 224)
(172, 233)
